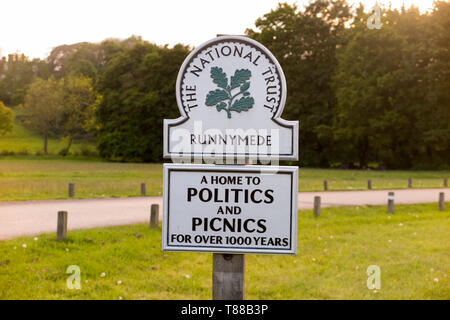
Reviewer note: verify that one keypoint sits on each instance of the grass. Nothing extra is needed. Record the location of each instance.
(36, 178)
(24, 141)
(411, 247)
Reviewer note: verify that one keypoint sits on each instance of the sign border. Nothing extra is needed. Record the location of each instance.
(292, 170)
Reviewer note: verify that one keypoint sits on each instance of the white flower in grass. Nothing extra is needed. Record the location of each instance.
(102, 275)
(24, 245)
(431, 269)
(400, 224)
(119, 282)
(187, 276)
(14, 247)
(120, 298)
(319, 238)
(35, 239)
(67, 249)
(436, 280)
(389, 241)
(314, 259)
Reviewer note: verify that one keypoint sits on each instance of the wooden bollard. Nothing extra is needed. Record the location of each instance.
(61, 230)
(390, 208)
(316, 206)
(369, 184)
(143, 189)
(228, 276)
(71, 190)
(325, 185)
(409, 183)
(441, 201)
(154, 216)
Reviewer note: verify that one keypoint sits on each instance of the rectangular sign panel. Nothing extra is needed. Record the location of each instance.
(235, 209)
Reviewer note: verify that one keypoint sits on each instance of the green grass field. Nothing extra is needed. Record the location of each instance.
(24, 141)
(35, 178)
(411, 247)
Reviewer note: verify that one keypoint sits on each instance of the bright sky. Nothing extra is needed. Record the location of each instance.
(35, 27)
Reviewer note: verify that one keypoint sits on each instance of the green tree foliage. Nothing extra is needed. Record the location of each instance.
(6, 120)
(137, 87)
(44, 106)
(304, 43)
(392, 104)
(16, 74)
(79, 104)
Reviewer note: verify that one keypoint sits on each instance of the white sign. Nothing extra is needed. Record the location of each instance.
(238, 209)
(231, 92)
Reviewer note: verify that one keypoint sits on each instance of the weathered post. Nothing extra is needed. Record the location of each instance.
(325, 185)
(441, 201)
(316, 206)
(61, 230)
(71, 189)
(228, 276)
(369, 184)
(390, 208)
(445, 182)
(154, 216)
(143, 189)
(409, 183)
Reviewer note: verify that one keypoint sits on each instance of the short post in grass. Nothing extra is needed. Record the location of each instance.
(228, 276)
(61, 230)
(369, 184)
(441, 201)
(154, 216)
(71, 189)
(143, 189)
(316, 206)
(325, 185)
(445, 182)
(390, 208)
(409, 183)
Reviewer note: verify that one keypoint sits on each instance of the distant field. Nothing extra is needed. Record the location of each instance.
(33, 178)
(24, 141)
(411, 248)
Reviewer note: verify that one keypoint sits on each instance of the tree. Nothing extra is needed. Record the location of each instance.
(304, 42)
(137, 87)
(44, 106)
(6, 120)
(80, 102)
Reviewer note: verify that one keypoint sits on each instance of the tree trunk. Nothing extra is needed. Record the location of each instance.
(45, 140)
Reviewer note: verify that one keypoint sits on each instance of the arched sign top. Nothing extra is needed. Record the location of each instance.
(231, 83)
(217, 62)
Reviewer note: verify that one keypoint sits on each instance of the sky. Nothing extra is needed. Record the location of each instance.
(34, 27)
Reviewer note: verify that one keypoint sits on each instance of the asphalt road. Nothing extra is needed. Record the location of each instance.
(34, 217)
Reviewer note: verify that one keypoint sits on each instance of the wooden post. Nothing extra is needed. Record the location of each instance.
(441, 201)
(61, 231)
(409, 183)
(71, 190)
(445, 182)
(143, 189)
(390, 208)
(154, 216)
(369, 184)
(325, 185)
(228, 276)
(316, 206)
